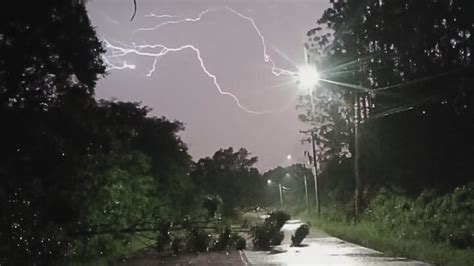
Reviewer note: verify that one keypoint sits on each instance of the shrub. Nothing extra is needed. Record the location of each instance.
(268, 233)
(229, 240)
(224, 240)
(198, 240)
(448, 218)
(451, 217)
(164, 237)
(300, 233)
(176, 245)
(278, 218)
(239, 241)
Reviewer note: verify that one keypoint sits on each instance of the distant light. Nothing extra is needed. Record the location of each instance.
(288, 157)
(308, 77)
(269, 181)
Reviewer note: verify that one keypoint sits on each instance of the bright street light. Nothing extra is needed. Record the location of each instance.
(308, 77)
(269, 181)
(288, 157)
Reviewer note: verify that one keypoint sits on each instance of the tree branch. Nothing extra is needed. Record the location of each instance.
(134, 9)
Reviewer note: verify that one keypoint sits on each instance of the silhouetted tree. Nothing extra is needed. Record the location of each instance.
(77, 176)
(230, 175)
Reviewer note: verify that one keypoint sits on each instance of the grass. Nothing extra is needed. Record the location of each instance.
(365, 234)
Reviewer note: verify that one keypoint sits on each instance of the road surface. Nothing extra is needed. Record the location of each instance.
(321, 249)
(318, 249)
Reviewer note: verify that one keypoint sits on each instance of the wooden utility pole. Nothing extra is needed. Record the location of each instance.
(315, 163)
(358, 183)
(281, 195)
(314, 160)
(306, 194)
(308, 210)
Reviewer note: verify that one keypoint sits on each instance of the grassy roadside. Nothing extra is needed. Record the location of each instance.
(365, 234)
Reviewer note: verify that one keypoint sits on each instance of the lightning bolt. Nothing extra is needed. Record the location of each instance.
(161, 16)
(113, 60)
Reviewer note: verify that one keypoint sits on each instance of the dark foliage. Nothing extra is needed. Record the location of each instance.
(228, 240)
(77, 177)
(230, 175)
(212, 204)
(447, 218)
(277, 219)
(176, 245)
(410, 63)
(198, 240)
(268, 233)
(300, 233)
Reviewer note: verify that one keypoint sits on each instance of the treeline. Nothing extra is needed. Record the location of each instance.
(82, 178)
(403, 73)
(404, 69)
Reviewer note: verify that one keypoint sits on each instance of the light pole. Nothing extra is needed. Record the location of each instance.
(306, 188)
(308, 78)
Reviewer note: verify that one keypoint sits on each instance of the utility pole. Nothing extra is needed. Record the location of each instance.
(315, 163)
(314, 160)
(281, 195)
(358, 181)
(308, 210)
(306, 193)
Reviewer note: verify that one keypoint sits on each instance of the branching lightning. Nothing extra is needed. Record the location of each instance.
(114, 59)
(161, 16)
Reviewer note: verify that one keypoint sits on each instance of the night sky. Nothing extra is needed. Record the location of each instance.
(232, 51)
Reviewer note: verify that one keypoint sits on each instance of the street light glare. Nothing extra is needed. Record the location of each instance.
(308, 76)
(288, 157)
(269, 181)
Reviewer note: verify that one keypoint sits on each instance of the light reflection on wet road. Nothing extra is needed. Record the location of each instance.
(321, 249)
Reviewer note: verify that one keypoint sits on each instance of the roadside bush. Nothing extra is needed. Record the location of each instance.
(228, 240)
(268, 233)
(164, 237)
(451, 217)
(393, 212)
(198, 240)
(224, 241)
(300, 233)
(239, 241)
(176, 245)
(265, 235)
(448, 218)
(277, 218)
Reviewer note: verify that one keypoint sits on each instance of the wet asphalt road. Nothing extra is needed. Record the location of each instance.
(321, 249)
(318, 249)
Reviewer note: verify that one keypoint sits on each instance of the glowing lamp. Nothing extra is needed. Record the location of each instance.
(308, 77)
